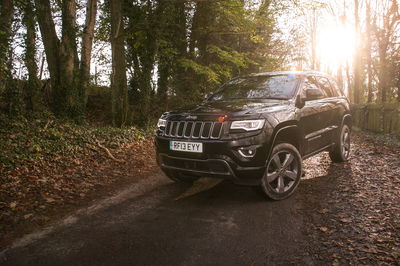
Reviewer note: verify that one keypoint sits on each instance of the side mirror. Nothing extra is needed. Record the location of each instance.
(299, 102)
(313, 94)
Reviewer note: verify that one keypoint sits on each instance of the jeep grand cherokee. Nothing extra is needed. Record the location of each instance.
(256, 130)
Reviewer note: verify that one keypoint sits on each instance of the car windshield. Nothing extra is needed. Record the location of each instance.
(258, 87)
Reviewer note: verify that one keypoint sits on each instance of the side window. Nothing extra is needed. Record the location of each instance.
(336, 90)
(327, 87)
(311, 85)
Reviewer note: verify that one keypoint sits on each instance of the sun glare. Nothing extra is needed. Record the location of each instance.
(335, 46)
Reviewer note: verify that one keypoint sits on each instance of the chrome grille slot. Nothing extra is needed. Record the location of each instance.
(196, 130)
(174, 128)
(168, 128)
(181, 126)
(216, 130)
(188, 129)
(205, 133)
(193, 130)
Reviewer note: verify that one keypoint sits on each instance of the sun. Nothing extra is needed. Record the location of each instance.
(335, 46)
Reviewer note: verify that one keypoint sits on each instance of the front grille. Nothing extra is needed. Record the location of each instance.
(193, 130)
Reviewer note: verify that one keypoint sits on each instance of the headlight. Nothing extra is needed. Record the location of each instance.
(248, 125)
(161, 123)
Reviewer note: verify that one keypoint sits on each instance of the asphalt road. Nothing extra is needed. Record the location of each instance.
(225, 225)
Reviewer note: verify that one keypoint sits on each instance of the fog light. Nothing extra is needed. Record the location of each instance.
(247, 152)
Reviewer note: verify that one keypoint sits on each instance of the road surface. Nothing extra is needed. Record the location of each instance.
(225, 225)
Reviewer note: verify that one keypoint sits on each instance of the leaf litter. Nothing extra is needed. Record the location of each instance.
(358, 212)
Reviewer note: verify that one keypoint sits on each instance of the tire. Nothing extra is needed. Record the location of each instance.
(341, 151)
(283, 172)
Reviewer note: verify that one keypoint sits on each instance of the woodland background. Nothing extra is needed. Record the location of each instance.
(124, 62)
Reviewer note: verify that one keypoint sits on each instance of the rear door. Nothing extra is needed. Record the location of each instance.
(331, 106)
(313, 121)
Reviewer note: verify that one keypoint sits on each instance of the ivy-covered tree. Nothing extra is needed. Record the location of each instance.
(67, 74)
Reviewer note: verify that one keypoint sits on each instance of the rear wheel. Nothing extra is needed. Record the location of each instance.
(341, 150)
(283, 172)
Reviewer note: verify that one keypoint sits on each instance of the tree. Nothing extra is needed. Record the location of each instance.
(6, 15)
(385, 26)
(30, 53)
(368, 50)
(87, 44)
(119, 86)
(357, 65)
(61, 56)
(66, 73)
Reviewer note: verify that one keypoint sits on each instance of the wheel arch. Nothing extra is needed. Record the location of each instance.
(347, 120)
(287, 132)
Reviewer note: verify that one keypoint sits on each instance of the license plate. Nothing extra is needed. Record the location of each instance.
(186, 146)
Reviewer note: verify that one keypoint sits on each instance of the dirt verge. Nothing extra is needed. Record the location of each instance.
(41, 195)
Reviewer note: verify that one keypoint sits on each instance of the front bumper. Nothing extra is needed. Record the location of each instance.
(220, 159)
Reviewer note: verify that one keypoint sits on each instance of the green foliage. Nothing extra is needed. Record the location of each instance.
(29, 140)
(177, 51)
(230, 56)
(205, 72)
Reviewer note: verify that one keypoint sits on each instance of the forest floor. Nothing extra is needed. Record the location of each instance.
(49, 168)
(351, 211)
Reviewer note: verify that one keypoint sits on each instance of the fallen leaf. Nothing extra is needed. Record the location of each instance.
(346, 220)
(323, 211)
(27, 216)
(324, 229)
(50, 200)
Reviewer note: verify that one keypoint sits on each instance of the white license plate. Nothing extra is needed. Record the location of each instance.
(186, 146)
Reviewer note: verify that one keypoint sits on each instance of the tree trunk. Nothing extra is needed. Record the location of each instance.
(357, 56)
(50, 40)
(118, 77)
(30, 53)
(314, 59)
(6, 15)
(368, 52)
(86, 52)
(68, 97)
(383, 71)
(62, 58)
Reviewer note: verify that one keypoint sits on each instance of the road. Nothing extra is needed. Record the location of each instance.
(225, 225)
(341, 214)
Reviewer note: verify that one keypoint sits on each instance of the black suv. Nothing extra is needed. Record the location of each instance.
(255, 130)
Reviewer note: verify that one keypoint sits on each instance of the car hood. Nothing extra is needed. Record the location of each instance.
(234, 108)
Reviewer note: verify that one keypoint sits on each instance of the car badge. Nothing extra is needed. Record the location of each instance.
(191, 117)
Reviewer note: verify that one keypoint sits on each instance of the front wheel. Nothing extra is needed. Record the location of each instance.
(283, 172)
(341, 150)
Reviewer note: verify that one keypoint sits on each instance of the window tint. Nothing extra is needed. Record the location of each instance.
(327, 87)
(258, 87)
(311, 83)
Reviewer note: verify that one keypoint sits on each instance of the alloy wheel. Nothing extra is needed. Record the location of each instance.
(345, 143)
(282, 171)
